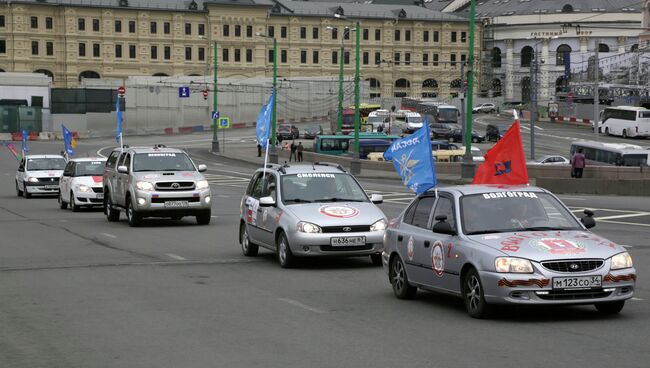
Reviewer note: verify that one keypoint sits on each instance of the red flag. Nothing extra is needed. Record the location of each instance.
(505, 162)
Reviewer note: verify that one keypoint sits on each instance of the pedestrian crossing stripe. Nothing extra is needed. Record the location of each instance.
(226, 180)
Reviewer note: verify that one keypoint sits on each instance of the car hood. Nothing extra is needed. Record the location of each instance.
(550, 245)
(337, 213)
(168, 175)
(44, 173)
(92, 181)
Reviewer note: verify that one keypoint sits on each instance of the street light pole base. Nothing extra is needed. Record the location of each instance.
(273, 155)
(355, 165)
(215, 146)
(467, 168)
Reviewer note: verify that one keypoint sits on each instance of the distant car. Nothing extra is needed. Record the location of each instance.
(311, 131)
(441, 130)
(494, 132)
(456, 135)
(288, 131)
(551, 160)
(485, 107)
(81, 183)
(494, 245)
(442, 145)
(39, 174)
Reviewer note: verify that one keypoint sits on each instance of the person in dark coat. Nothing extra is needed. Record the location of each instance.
(293, 148)
(577, 164)
(300, 148)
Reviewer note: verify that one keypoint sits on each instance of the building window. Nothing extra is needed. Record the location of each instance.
(377, 34)
(226, 30)
(237, 55)
(335, 33)
(396, 58)
(452, 59)
(153, 28)
(436, 36)
(201, 53)
(527, 56)
(95, 50)
(201, 29)
(303, 32)
(454, 36)
(49, 24)
(225, 55)
(34, 22)
(95, 25)
(270, 59)
(3, 46)
(397, 35)
(132, 51)
(249, 31)
(425, 59)
(377, 58)
(407, 35)
(34, 47)
(82, 49)
(366, 34)
(314, 33)
(81, 24)
(167, 28)
(425, 36)
(346, 57)
(562, 53)
(335, 57)
(167, 52)
(283, 32)
(118, 26)
(314, 57)
(49, 48)
(346, 33)
(118, 51)
(270, 31)
(496, 57)
(463, 58)
(2, 20)
(283, 56)
(366, 58)
(188, 28)
(463, 36)
(188, 53)
(303, 57)
(435, 59)
(154, 52)
(249, 55)
(407, 58)
(131, 26)
(237, 30)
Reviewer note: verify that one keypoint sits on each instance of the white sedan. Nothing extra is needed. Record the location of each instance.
(81, 183)
(551, 160)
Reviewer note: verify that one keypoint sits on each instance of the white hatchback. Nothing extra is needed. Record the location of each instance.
(81, 183)
(39, 174)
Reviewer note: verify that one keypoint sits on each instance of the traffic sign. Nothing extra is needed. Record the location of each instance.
(215, 115)
(121, 90)
(183, 92)
(224, 123)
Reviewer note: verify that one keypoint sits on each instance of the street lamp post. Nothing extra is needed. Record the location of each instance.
(355, 165)
(467, 166)
(215, 135)
(339, 118)
(273, 152)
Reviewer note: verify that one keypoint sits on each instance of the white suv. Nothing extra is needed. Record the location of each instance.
(81, 183)
(485, 107)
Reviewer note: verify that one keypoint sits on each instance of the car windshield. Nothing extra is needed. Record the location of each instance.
(89, 168)
(55, 163)
(448, 114)
(313, 128)
(321, 187)
(415, 119)
(501, 212)
(284, 128)
(162, 161)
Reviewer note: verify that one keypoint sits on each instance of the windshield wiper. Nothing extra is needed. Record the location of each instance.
(335, 199)
(480, 232)
(297, 200)
(545, 228)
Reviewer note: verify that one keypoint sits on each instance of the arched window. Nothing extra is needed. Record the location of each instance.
(563, 51)
(496, 87)
(526, 55)
(496, 57)
(45, 71)
(430, 88)
(567, 8)
(456, 83)
(402, 83)
(430, 83)
(603, 47)
(89, 74)
(374, 83)
(161, 75)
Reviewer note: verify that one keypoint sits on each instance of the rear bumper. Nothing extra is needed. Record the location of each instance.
(309, 245)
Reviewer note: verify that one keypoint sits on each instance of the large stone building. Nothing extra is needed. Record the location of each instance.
(405, 49)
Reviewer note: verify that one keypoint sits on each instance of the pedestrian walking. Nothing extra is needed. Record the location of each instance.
(259, 149)
(577, 164)
(293, 148)
(300, 148)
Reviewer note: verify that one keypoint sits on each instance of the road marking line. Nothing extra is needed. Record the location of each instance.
(625, 223)
(222, 196)
(109, 235)
(99, 151)
(301, 305)
(636, 299)
(626, 246)
(176, 257)
(622, 216)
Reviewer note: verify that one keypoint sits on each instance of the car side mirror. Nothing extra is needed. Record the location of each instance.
(122, 169)
(377, 198)
(267, 202)
(202, 168)
(67, 173)
(21, 169)
(588, 220)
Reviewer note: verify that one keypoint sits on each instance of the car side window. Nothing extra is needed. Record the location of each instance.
(112, 159)
(270, 187)
(127, 162)
(422, 211)
(258, 188)
(22, 165)
(120, 162)
(68, 169)
(251, 184)
(445, 207)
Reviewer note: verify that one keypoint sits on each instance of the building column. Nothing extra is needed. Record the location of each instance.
(584, 43)
(546, 88)
(510, 62)
(621, 44)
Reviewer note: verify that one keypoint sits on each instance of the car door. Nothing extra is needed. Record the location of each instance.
(444, 256)
(413, 242)
(20, 174)
(251, 205)
(64, 184)
(269, 216)
(122, 180)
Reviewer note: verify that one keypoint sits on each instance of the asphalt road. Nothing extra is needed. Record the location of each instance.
(78, 291)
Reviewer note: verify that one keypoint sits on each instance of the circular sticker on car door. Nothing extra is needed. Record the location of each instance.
(437, 259)
(410, 251)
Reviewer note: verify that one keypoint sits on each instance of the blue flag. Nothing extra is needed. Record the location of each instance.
(263, 124)
(68, 141)
(120, 119)
(24, 141)
(413, 160)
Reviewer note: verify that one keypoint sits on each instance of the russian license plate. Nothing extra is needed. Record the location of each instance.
(176, 204)
(51, 186)
(100, 195)
(577, 282)
(347, 241)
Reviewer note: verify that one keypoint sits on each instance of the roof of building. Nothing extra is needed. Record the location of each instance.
(438, 5)
(492, 8)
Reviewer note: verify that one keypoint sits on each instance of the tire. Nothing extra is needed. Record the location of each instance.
(25, 193)
(625, 134)
(286, 259)
(247, 247)
(606, 131)
(62, 204)
(73, 205)
(112, 214)
(19, 192)
(376, 259)
(399, 280)
(474, 140)
(134, 218)
(204, 218)
(610, 307)
(473, 295)
(451, 139)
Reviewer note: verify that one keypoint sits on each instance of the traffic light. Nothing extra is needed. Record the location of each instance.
(205, 94)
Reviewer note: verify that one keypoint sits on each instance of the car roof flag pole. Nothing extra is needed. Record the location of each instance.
(24, 148)
(263, 127)
(412, 158)
(120, 120)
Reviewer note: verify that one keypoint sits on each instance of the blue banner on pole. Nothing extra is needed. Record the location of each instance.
(413, 160)
(24, 141)
(68, 141)
(263, 123)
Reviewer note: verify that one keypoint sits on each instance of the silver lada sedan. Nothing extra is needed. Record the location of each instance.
(496, 245)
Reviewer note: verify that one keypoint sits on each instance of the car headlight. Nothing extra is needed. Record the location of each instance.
(621, 260)
(84, 188)
(144, 185)
(32, 179)
(308, 227)
(513, 265)
(202, 184)
(378, 226)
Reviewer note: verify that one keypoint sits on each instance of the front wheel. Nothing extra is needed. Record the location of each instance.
(624, 134)
(285, 257)
(376, 259)
(473, 295)
(400, 281)
(134, 218)
(610, 307)
(247, 247)
(451, 139)
(474, 140)
(26, 194)
(18, 191)
(112, 214)
(62, 204)
(204, 218)
(73, 205)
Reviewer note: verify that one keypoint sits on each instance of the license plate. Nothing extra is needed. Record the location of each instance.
(100, 195)
(176, 204)
(51, 186)
(578, 282)
(346, 241)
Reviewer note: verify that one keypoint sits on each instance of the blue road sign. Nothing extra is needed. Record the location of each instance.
(224, 123)
(183, 92)
(215, 115)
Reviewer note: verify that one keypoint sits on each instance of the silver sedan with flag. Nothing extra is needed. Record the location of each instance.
(497, 245)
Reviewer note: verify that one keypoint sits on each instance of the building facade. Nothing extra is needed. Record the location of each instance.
(405, 50)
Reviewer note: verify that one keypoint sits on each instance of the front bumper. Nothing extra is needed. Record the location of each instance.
(42, 188)
(89, 198)
(158, 203)
(318, 244)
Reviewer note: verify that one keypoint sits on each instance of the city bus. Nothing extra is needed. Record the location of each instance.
(626, 121)
(341, 144)
(347, 125)
(435, 111)
(618, 154)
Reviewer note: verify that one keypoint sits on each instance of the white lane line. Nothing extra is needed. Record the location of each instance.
(222, 196)
(99, 151)
(622, 216)
(625, 223)
(176, 257)
(109, 235)
(213, 216)
(636, 299)
(626, 246)
(573, 199)
(301, 305)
